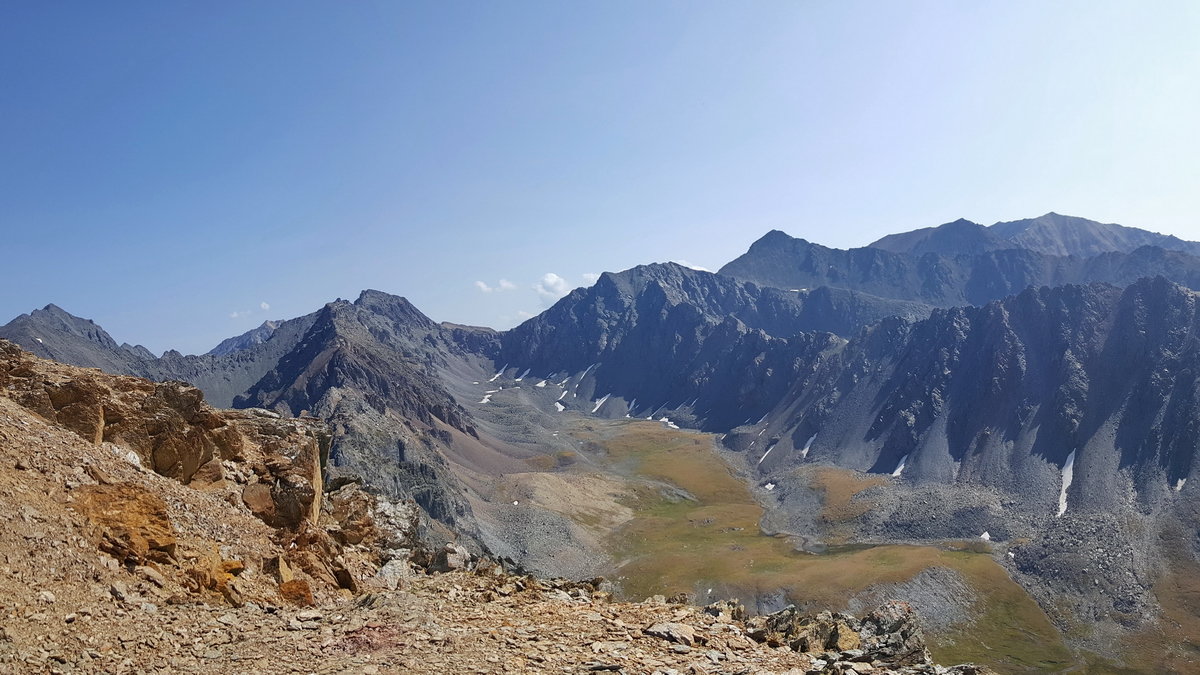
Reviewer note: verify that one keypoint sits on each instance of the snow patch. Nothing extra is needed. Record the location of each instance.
(516, 503)
(540, 384)
(1068, 475)
(560, 407)
(1180, 483)
(804, 450)
(769, 487)
(486, 399)
(523, 375)
(498, 373)
(900, 467)
(986, 536)
(760, 459)
(669, 424)
(600, 403)
(562, 396)
(39, 340)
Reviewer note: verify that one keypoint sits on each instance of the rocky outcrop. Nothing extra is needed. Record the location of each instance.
(252, 460)
(167, 426)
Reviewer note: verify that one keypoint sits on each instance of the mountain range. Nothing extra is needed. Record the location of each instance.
(1033, 382)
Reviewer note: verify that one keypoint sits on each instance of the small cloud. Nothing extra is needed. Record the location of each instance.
(552, 287)
(692, 266)
(239, 314)
(264, 306)
(590, 277)
(501, 286)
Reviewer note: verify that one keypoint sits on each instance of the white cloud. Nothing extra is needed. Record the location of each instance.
(590, 277)
(552, 287)
(503, 285)
(693, 266)
(239, 314)
(264, 306)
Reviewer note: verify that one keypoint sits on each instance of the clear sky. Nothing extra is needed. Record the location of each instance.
(181, 171)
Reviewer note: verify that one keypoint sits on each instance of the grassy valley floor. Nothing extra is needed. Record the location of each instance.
(693, 528)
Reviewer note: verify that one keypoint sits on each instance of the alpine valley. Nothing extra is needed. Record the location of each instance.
(998, 425)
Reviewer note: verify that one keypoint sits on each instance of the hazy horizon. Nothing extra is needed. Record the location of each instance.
(181, 172)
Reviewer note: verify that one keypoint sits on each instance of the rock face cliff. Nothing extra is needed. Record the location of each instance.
(1103, 373)
(664, 337)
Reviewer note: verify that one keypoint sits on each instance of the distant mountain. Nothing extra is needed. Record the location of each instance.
(946, 279)
(960, 237)
(53, 333)
(1059, 235)
(1052, 234)
(252, 337)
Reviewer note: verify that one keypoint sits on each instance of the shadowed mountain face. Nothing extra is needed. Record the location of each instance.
(1002, 394)
(942, 275)
(666, 335)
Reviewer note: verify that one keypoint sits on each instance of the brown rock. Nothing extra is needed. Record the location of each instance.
(209, 475)
(680, 633)
(297, 592)
(257, 498)
(844, 637)
(277, 567)
(131, 523)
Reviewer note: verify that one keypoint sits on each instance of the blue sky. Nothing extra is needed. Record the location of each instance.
(172, 167)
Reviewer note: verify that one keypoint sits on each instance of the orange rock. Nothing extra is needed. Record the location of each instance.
(297, 592)
(131, 523)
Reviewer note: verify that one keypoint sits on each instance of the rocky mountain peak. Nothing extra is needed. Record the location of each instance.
(393, 307)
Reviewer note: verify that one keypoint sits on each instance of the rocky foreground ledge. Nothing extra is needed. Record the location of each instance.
(484, 621)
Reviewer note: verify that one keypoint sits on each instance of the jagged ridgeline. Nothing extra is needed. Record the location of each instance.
(1031, 384)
